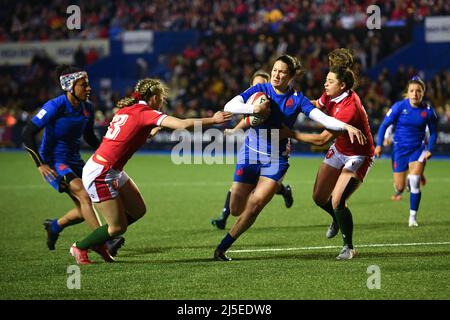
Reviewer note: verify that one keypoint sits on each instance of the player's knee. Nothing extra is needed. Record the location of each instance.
(256, 205)
(236, 208)
(399, 186)
(414, 183)
(81, 195)
(141, 211)
(338, 203)
(318, 199)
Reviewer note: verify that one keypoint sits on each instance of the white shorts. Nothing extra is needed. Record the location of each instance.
(358, 164)
(101, 181)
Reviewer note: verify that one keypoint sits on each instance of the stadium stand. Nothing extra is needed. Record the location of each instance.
(232, 38)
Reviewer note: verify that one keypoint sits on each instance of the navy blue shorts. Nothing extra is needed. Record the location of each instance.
(250, 172)
(402, 157)
(66, 173)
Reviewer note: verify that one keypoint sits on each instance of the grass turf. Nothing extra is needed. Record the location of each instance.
(168, 254)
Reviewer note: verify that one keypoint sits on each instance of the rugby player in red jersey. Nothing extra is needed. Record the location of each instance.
(109, 187)
(346, 162)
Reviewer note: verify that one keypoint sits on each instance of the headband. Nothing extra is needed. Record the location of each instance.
(67, 80)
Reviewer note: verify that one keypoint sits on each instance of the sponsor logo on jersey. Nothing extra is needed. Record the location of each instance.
(41, 114)
(240, 172)
(423, 114)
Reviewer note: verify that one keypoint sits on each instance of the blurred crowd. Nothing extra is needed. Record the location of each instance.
(203, 78)
(25, 20)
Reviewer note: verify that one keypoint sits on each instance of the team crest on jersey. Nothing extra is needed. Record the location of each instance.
(290, 102)
(329, 154)
(423, 114)
(240, 171)
(62, 167)
(405, 111)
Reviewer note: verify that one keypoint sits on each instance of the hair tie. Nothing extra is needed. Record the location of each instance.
(136, 95)
(415, 78)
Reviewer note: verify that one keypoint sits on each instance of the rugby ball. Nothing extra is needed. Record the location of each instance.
(254, 120)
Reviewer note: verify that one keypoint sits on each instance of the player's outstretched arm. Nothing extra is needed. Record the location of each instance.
(241, 125)
(176, 123)
(237, 105)
(337, 125)
(317, 139)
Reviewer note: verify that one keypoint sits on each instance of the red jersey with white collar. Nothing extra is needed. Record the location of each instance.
(127, 132)
(348, 108)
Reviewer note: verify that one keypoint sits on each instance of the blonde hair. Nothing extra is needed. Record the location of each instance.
(144, 90)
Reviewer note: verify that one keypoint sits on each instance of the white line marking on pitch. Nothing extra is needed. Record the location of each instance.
(375, 245)
(200, 183)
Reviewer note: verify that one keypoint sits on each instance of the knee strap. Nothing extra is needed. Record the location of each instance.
(414, 183)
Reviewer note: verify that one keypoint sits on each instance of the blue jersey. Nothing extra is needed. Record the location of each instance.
(285, 109)
(410, 125)
(64, 126)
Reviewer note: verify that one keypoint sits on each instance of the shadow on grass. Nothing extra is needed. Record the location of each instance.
(127, 252)
(303, 256)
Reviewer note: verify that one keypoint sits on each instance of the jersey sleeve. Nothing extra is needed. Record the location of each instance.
(46, 114)
(323, 100)
(89, 134)
(306, 106)
(432, 126)
(153, 117)
(390, 118)
(248, 93)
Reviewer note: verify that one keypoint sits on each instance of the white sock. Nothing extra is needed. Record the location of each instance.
(412, 215)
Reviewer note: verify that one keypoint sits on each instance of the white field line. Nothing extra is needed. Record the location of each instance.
(375, 245)
(207, 183)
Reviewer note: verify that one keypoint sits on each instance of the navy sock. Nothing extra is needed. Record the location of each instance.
(226, 207)
(226, 243)
(55, 227)
(414, 200)
(281, 190)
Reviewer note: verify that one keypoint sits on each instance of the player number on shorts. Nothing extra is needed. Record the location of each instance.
(114, 127)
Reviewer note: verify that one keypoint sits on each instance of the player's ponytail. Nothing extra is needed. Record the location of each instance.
(341, 57)
(144, 90)
(341, 64)
(294, 66)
